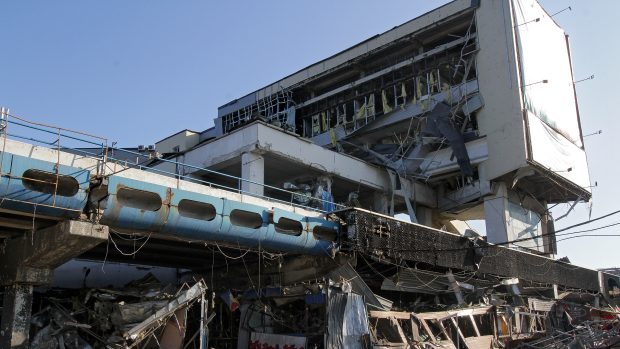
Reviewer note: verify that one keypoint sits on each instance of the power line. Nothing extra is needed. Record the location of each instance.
(588, 221)
(567, 228)
(589, 235)
(588, 230)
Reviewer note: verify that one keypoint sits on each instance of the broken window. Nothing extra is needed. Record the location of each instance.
(246, 219)
(288, 226)
(140, 199)
(196, 210)
(50, 183)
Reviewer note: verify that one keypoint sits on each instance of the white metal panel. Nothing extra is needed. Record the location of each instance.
(546, 73)
(556, 153)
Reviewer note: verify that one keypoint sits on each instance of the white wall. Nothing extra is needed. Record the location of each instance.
(501, 118)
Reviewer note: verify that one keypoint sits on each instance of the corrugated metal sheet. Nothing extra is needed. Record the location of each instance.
(409, 280)
(421, 281)
(347, 321)
(540, 305)
(348, 274)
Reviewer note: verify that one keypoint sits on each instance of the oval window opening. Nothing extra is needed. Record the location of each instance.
(196, 210)
(141, 199)
(325, 233)
(288, 226)
(246, 219)
(45, 182)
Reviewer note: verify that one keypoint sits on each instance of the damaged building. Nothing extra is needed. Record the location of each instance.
(328, 209)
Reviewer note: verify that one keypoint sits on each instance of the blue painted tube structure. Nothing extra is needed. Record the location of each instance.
(139, 205)
(34, 186)
(40, 187)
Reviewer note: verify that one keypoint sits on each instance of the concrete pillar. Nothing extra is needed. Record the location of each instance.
(16, 310)
(28, 260)
(548, 233)
(495, 208)
(509, 218)
(253, 169)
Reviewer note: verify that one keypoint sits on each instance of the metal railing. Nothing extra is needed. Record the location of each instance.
(75, 142)
(57, 134)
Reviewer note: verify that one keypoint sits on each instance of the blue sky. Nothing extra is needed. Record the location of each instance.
(138, 71)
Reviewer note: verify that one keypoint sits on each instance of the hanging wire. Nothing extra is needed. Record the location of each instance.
(127, 253)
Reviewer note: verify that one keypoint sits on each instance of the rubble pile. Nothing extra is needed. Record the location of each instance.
(144, 313)
(339, 310)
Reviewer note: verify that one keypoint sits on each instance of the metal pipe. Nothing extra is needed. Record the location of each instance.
(54, 133)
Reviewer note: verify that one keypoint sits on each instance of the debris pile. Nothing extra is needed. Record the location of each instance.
(144, 314)
(338, 310)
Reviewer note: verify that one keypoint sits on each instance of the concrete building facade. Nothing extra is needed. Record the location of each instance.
(445, 118)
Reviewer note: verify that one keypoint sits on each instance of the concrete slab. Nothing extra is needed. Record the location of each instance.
(263, 138)
(31, 258)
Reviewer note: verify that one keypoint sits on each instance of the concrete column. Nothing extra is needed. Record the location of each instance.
(508, 218)
(16, 309)
(548, 233)
(253, 169)
(495, 208)
(27, 261)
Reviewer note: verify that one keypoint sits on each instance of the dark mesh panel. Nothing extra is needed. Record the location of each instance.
(389, 238)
